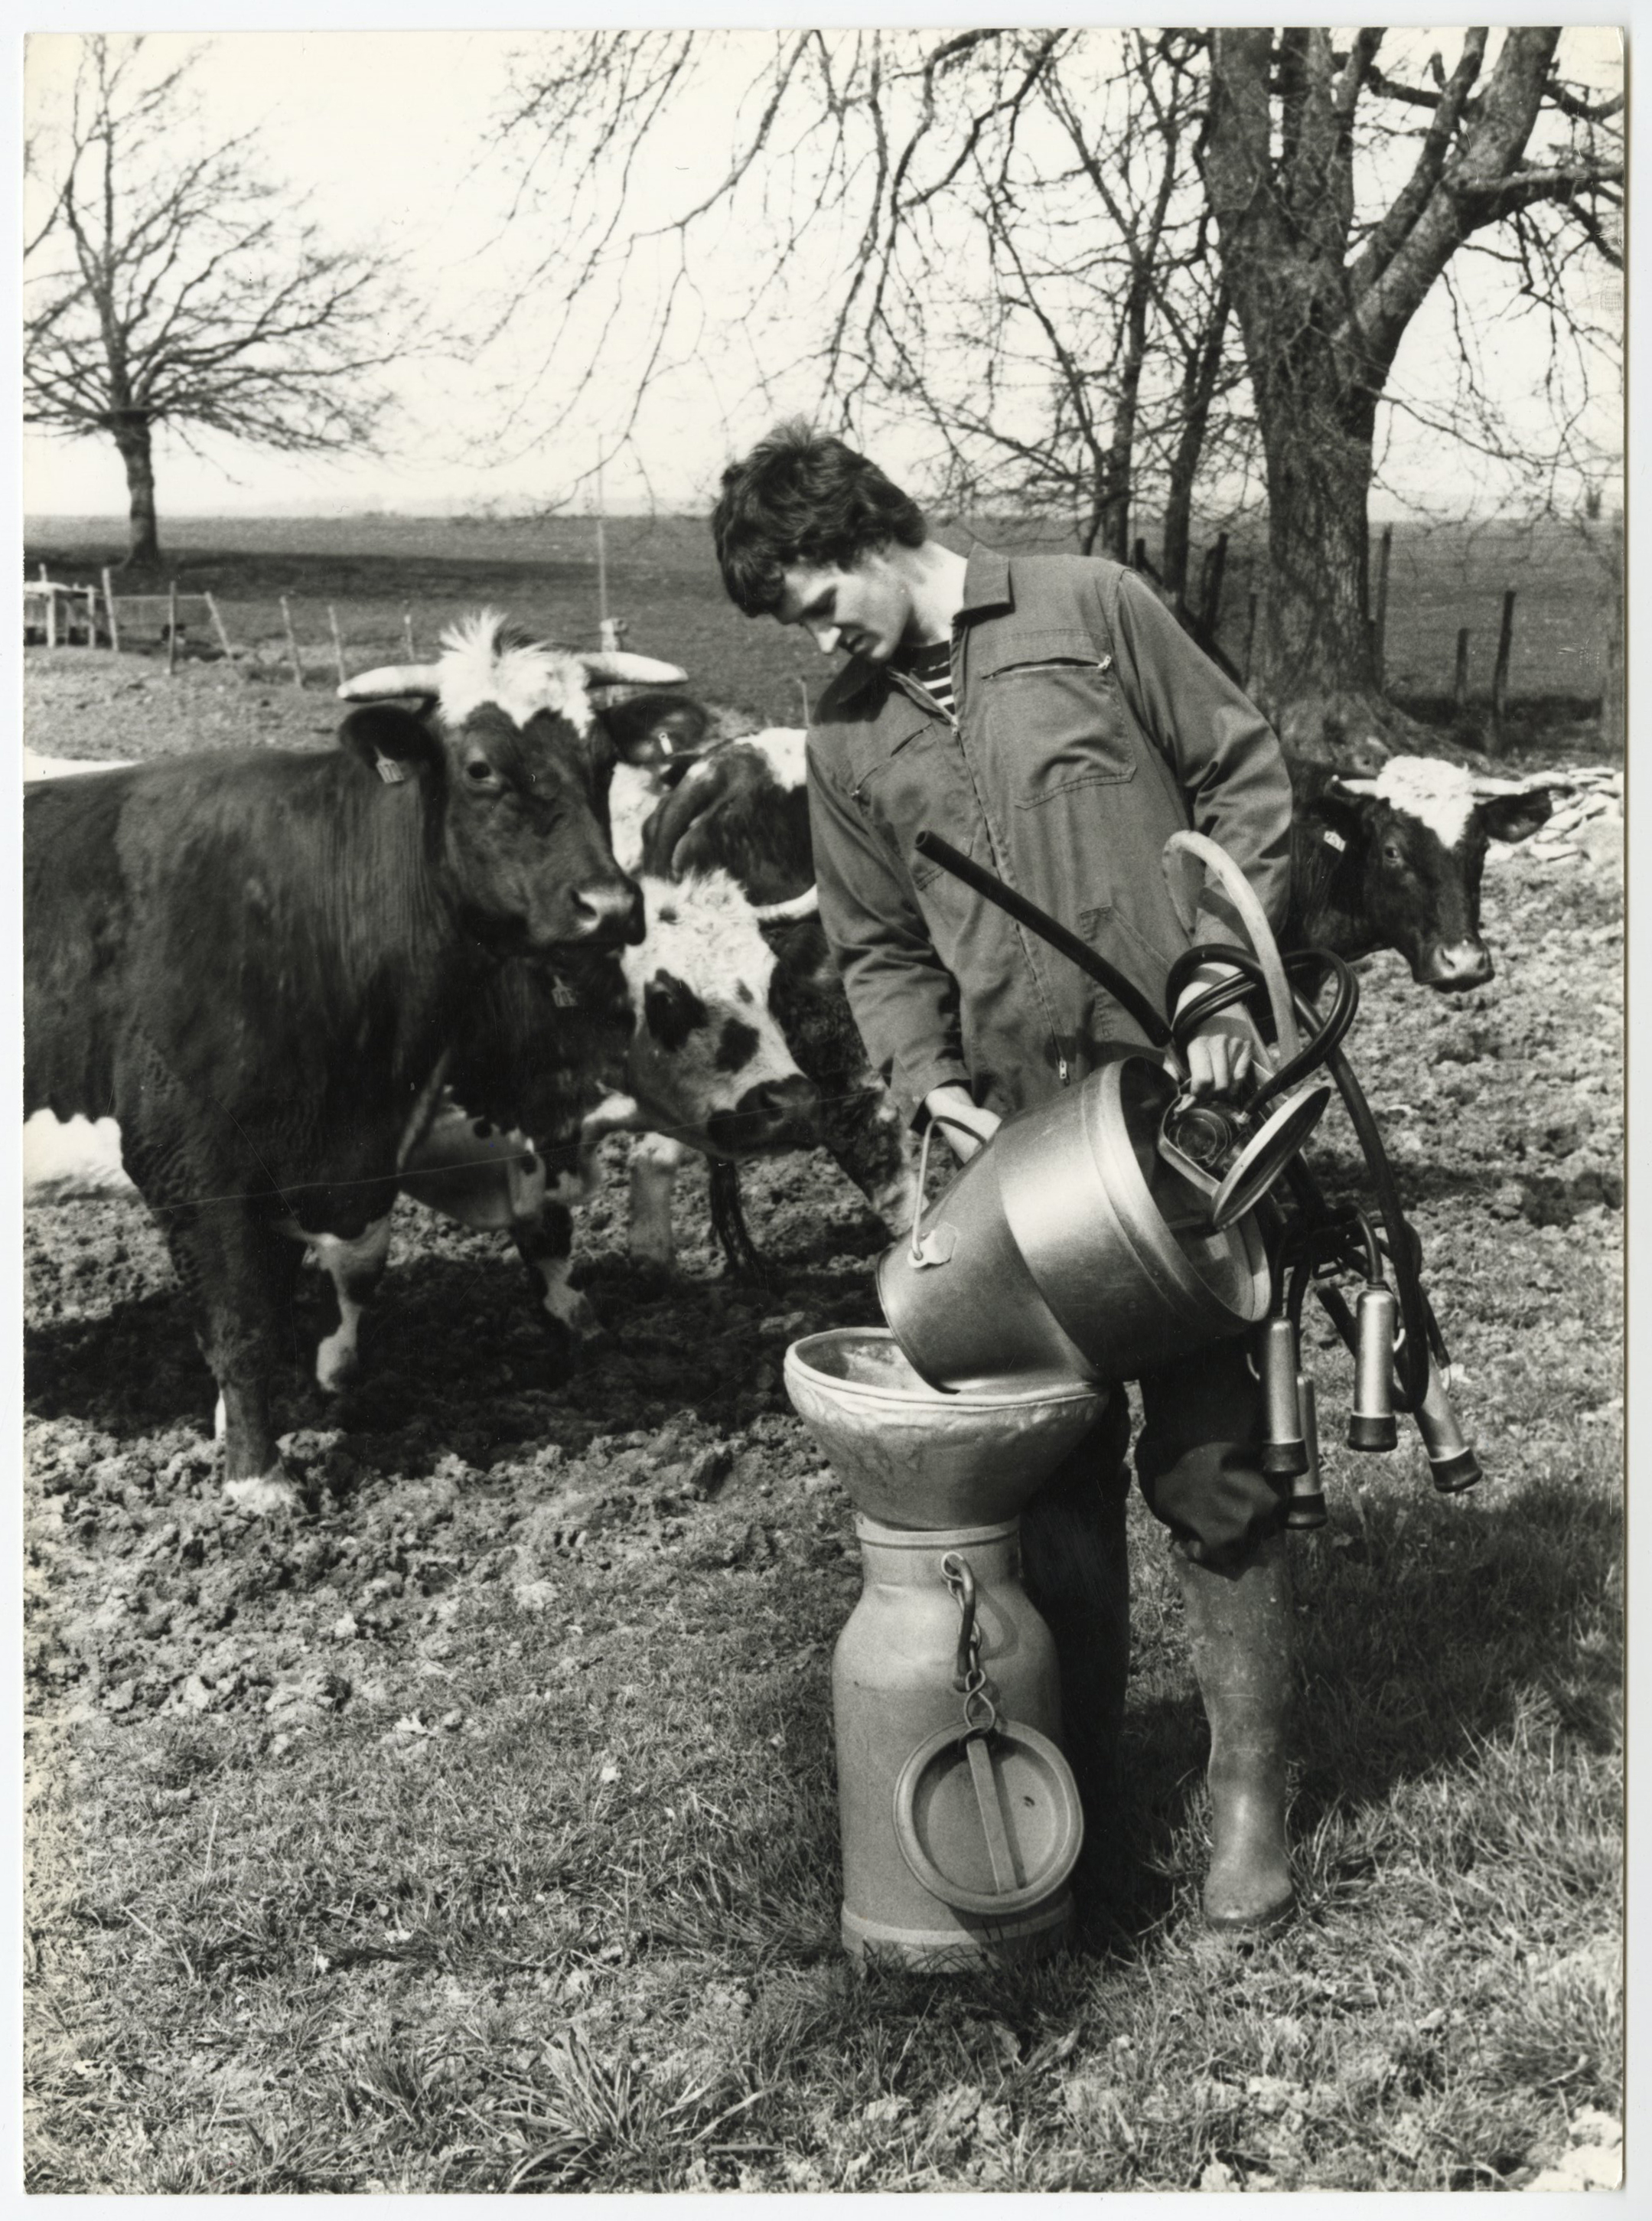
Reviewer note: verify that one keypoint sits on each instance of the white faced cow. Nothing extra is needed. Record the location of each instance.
(256, 963)
(1395, 862)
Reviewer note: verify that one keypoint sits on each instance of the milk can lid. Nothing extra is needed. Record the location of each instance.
(989, 1822)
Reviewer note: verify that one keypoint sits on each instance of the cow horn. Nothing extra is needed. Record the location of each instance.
(608, 666)
(392, 679)
(1487, 786)
(804, 905)
(1355, 785)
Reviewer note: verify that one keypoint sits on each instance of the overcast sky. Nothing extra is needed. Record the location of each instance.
(387, 133)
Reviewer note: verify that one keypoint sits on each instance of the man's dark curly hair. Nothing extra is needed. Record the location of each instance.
(802, 497)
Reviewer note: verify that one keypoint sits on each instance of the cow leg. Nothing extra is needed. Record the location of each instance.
(355, 1269)
(878, 1149)
(545, 1244)
(236, 1268)
(655, 1160)
(541, 1226)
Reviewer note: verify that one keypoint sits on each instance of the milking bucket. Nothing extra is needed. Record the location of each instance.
(1068, 1242)
(961, 1823)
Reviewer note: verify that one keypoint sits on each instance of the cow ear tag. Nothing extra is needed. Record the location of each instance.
(390, 771)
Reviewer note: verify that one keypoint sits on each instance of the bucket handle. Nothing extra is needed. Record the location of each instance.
(920, 1258)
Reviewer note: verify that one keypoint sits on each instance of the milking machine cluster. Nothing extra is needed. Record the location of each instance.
(1093, 1239)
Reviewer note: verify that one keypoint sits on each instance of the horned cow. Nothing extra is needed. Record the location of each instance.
(256, 962)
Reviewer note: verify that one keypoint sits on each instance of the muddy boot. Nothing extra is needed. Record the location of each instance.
(1076, 1570)
(1239, 1619)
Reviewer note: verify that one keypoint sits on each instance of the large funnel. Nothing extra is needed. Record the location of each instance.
(911, 1456)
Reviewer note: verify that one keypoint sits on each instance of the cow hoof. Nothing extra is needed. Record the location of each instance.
(335, 1371)
(262, 1493)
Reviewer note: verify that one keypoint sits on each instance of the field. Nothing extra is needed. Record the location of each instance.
(476, 1831)
(661, 581)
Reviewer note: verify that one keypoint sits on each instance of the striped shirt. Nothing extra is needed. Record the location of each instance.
(932, 668)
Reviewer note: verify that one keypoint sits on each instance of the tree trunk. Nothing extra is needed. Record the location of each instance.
(1200, 375)
(133, 439)
(1317, 642)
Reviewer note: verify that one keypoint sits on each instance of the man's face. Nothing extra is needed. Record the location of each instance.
(866, 610)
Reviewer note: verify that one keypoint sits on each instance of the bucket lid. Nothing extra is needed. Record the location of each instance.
(1264, 1156)
(989, 1822)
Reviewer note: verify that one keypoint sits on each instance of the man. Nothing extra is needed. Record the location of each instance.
(1046, 715)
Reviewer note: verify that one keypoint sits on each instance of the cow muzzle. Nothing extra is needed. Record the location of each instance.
(605, 915)
(778, 1114)
(1450, 967)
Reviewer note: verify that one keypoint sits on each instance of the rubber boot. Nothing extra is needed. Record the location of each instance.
(1075, 1567)
(1239, 1619)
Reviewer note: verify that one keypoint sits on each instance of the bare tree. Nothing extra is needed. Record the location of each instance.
(1021, 258)
(167, 283)
(1092, 263)
(1324, 293)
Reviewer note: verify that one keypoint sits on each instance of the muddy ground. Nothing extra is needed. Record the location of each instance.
(467, 1466)
(464, 1457)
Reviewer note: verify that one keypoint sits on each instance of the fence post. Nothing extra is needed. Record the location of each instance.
(292, 643)
(802, 689)
(1250, 635)
(1500, 675)
(1379, 622)
(338, 644)
(171, 628)
(1460, 685)
(1611, 691)
(108, 605)
(1216, 563)
(217, 624)
(51, 614)
(407, 634)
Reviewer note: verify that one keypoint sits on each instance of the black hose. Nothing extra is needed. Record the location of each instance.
(1124, 991)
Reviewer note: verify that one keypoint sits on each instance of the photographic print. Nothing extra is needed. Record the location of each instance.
(823, 876)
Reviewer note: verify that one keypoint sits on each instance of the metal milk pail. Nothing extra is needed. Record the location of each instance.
(1066, 1242)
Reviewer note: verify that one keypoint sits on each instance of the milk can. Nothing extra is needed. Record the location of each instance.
(961, 1823)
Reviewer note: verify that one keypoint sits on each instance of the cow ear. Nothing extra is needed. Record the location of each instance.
(651, 729)
(1516, 816)
(1340, 819)
(390, 741)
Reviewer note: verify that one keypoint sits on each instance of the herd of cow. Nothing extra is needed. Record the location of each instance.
(450, 956)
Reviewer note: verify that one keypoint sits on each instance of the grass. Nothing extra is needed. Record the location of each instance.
(583, 1937)
(492, 1898)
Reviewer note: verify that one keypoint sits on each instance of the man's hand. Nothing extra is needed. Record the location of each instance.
(1221, 1056)
(966, 1124)
(1217, 1064)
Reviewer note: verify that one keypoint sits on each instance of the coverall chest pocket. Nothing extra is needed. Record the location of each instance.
(912, 780)
(1054, 715)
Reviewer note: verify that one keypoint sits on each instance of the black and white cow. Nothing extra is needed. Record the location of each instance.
(672, 1041)
(743, 807)
(1395, 862)
(257, 963)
